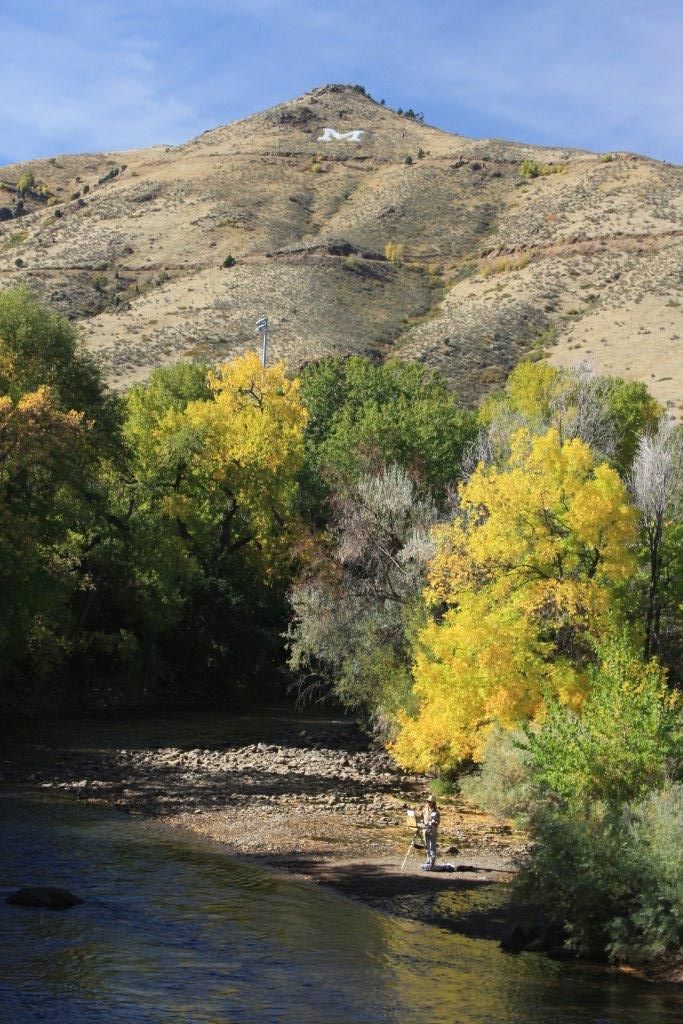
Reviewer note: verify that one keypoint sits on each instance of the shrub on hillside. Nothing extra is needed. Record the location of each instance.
(394, 251)
(529, 169)
(25, 183)
(505, 264)
(532, 169)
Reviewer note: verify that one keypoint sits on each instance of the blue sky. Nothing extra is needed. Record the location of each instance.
(605, 75)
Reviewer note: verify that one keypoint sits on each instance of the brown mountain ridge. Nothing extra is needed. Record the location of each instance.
(578, 259)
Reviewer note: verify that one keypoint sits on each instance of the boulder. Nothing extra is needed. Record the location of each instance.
(43, 896)
(519, 938)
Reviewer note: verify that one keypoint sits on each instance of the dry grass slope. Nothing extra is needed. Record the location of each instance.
(581, 261)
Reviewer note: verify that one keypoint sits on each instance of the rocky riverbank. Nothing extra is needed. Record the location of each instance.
(318, 801)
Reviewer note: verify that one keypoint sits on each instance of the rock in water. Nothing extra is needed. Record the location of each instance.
(518, 938)
(43, 896)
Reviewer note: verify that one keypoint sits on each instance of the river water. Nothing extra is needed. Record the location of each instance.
(174, 932)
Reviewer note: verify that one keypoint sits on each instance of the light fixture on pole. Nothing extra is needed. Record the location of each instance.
(262, 329)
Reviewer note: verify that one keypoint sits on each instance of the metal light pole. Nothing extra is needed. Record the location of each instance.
(262, 329)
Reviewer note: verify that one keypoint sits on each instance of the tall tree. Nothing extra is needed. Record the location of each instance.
(60, 428)
(216, 461)
(608, 413)
(656, 482)
(363, 417)
(41, 349)
(354, 601)
(45, 463)
(523, 579)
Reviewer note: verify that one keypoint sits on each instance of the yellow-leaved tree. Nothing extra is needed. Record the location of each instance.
(223, 467)
(520, 582)
(215, 461)
(249, 458)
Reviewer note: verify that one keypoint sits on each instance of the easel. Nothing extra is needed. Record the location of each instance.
(412, 818)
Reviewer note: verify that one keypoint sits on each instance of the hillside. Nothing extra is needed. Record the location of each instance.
(581, 261)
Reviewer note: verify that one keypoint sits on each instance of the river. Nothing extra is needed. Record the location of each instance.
(174, 932)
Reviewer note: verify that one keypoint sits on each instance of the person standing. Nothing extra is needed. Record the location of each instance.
(430, 825)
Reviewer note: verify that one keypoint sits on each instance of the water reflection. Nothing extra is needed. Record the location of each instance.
(173, 931)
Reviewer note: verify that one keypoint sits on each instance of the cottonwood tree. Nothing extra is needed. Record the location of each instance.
(59, 438)
(363, 417)
(216, 462)
(523, 580)
(41, 349)
(219, 456)
(45, 464)
(251, 453)
(656, 483)
(607, 413)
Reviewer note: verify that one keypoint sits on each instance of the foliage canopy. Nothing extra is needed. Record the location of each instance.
(363, 417)
(522, 580)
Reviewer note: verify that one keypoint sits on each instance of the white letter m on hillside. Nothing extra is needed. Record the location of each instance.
(330, 134)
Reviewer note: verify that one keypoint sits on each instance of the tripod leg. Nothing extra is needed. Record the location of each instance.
(407, 855)
(411, 847)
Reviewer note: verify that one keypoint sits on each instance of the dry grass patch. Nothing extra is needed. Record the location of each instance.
(504, 264)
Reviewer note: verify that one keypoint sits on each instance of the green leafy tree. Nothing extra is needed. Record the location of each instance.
(142, 577)
(620, 746)
(600, 793)
(41, 349)
(605, 864)
(363, 417)
(60, 429)
(169, 390)
(633, 412)
(45, 465)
